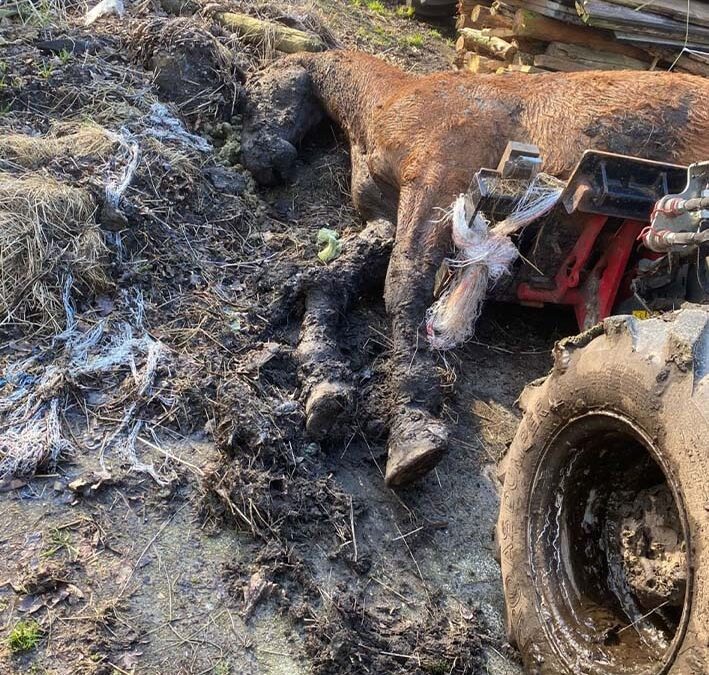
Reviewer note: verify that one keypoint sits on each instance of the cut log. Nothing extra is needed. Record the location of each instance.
(483, 17)
(529, 24)
(523, 59)
(473, 40)
(529, 45)
(502, 33)
(503, 9)
(595, 57)
(464, 21)
(561, 64)
(283, 38)
(481, 64)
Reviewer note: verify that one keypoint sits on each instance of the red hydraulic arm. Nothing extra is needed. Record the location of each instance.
(592, 294)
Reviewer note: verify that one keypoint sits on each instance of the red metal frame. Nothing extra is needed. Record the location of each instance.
(594, 297)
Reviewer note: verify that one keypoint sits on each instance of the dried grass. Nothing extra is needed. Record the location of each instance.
(32, 152)
(47, 231)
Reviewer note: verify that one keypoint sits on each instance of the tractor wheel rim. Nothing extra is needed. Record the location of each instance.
(613, 584)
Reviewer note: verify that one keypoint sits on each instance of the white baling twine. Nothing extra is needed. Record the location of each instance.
(484, 254)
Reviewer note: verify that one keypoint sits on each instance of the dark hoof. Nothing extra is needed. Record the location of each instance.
(417, 444)
(327, 405)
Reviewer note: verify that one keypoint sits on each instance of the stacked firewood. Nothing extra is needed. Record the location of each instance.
(571, 35)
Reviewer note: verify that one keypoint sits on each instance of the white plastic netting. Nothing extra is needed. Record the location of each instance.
(484, 254)
(104, 367)
(105, 361)
(109, 366)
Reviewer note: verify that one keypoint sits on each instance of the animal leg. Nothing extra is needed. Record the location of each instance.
(325, 376)
(418, 439)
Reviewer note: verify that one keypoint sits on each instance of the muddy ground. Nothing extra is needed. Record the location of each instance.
(247, 548)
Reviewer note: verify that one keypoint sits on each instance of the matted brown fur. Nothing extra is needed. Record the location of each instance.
(416, 142)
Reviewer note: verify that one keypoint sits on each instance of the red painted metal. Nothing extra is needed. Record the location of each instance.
(591, 292)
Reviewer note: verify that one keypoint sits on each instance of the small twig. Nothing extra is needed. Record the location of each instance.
(169, 455)
(391, 590)
(148, 545)
(352, 525)
(408, 534)
(644, 616)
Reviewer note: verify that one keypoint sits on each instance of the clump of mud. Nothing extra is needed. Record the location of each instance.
(654, 551)
(191, 67)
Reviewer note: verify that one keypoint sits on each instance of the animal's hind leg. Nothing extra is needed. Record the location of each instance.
(325, 376)
(417, 437)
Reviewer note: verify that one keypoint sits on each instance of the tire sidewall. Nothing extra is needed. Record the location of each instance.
(607, 376)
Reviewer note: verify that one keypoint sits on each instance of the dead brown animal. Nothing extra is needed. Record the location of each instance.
(415, 144)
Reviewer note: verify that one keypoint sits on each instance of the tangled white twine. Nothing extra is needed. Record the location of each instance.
(484, 254)
(33, 433)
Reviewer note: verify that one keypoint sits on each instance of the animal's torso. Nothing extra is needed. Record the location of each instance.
(447, 125)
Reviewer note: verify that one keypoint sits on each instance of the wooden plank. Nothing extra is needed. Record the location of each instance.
(602, 60)
(609, 15)
(693, 65)
(674, 9)
(647, 40)
(529, 24)
(550, 9)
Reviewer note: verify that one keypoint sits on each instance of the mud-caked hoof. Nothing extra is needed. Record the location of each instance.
(327, 407)
(417, 442)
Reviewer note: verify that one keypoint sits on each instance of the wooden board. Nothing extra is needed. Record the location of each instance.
(609, 15)
(674, 9)
(595, 57)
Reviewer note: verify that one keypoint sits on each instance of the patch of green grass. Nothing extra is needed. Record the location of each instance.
(24, 636)
(415, 40)
(65, 56)
(222, 668)
(405, 12)
(60, 540)
(375, 6)
(375, 36)
(46, 71)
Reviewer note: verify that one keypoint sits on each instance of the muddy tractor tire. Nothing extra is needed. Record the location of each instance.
(604, 518)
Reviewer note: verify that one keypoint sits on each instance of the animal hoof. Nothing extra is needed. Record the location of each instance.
(327, 405)
(418, 443)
